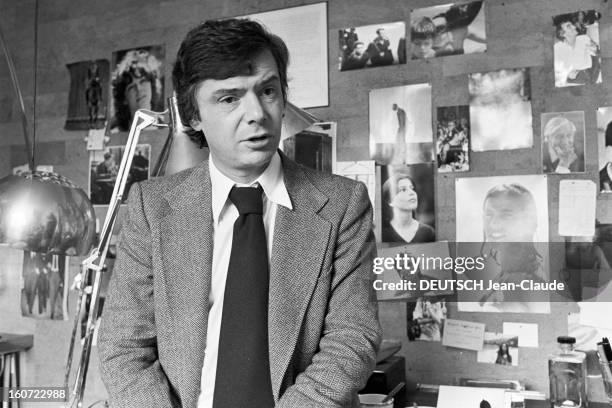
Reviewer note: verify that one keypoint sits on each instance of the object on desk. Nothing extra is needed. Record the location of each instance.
(486, 383)
(453, 397)
(606, 375)
(394, 391)
(374, 400)
(386, 376)
(567, 375)
(605, 364)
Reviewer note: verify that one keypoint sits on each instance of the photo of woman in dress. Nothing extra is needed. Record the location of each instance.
(408, 209)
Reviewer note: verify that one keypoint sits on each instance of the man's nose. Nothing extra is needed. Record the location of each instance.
(254, 110)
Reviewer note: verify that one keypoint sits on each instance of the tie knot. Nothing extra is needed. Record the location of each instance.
(247, 200)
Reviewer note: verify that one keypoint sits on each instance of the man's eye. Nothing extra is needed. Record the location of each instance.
(270, 91)
(228, 99)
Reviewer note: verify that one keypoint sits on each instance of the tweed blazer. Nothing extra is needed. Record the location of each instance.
(322, 317)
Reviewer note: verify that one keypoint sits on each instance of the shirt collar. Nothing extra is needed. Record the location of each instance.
(271, 180)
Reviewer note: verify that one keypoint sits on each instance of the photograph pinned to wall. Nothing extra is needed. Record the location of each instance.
(314, 147)
(408, 209)
(503, 219)
(604, 146)
(588, 262)
(499, 349)
(372, 46)
(330, 129)
(304, 31)
(418, 262)
(426, 318)
(137, 82)
(500, 110)
(453, 138)
(400, 124)
(577, 57)
(45, 286)
(563, 142)
(88, 96)
(448, 29)
(103, 168)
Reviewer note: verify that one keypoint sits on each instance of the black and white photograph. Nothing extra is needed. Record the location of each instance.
(426, 318)
(604, 146)
(563, 142)
(88, 96)
(500, 110)
(499, 349)
(453, 138)
(137, 82)
(588, 261)
(372, 46)
(394, 277)
(448, 29)
(503, 219)
(408, 210)
(103, 168)
(577, 50)
(401, 125)
(44, 291)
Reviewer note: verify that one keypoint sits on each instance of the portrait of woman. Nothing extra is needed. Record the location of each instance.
(408, 204)
(510, 231)
(503, 355)
(137, 83)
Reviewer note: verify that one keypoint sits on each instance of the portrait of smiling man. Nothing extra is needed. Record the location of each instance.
(244, 281)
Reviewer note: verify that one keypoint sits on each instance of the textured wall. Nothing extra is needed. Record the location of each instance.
(519, 35)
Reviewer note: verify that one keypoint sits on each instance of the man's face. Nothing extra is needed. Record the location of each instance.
(563, 140)
(138, 94)
(241, 118)
(506, 220)
(569, 30)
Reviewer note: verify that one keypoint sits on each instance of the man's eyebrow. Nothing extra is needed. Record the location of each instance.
(265, 81)
(271, 78)
(227, 91)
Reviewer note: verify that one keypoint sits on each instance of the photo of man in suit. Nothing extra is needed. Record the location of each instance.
(189, 320)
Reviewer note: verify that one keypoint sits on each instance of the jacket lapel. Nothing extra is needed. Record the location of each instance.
(299, 247)
(186, 249)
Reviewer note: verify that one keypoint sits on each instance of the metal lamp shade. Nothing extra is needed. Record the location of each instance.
(45, 212)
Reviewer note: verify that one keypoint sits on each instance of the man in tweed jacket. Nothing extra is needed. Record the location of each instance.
(158, 327)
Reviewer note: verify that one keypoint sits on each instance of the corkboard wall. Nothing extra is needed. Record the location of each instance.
(519, 34)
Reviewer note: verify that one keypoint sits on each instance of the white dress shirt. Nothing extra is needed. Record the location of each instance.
(224, 215)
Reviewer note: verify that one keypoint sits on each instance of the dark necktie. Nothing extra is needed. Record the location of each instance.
(243, 365)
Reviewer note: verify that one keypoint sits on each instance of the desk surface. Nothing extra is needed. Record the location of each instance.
(11, 343)
(429, 399)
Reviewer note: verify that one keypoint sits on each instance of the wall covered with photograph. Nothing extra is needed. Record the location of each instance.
(479, 80)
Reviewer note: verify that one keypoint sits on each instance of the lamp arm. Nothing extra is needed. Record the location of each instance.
(95, 261)
(17, 90)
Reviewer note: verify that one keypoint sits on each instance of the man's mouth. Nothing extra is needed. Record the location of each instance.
(258, 138)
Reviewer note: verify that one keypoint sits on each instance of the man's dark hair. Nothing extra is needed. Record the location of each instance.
(220, 49)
